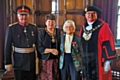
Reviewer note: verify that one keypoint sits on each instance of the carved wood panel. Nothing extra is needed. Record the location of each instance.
(42, 7)
(70, 9)
(63, 9)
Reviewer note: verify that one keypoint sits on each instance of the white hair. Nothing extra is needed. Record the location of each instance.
(69, 22)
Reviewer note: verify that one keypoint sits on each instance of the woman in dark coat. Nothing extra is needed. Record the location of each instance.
(48, 47)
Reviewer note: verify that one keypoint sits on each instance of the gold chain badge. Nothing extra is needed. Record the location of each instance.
(87, 37)
(52, 35)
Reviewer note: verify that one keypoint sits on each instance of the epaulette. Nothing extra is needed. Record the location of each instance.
(13, 24)
(33, 24)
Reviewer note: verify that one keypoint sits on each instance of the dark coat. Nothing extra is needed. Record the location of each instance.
(44, 41)
(16, 37)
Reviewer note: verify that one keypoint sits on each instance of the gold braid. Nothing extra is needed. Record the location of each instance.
(87, 37)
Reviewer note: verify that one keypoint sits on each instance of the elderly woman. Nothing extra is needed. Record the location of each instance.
(48, 47)
(70, 59)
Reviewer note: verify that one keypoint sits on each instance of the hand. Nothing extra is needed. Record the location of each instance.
(106, 66)
(54, 52)
(105, 71)
(8, 67)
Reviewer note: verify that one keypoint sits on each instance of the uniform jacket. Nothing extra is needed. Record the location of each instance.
(102, 46)
(76, 50)
(16, 37)
(44, 41)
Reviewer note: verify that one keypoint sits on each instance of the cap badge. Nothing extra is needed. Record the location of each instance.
(25, 30)
(85, 9)
(23, 8)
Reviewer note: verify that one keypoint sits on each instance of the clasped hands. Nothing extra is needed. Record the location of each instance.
(53, 51)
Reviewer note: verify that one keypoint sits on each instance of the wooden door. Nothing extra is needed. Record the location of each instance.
(42, 8)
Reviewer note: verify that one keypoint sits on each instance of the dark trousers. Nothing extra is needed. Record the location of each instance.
(25, 75)
(69, 69)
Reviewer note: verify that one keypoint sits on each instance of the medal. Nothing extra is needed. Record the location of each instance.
(25, 30)
(76, 63)
(32, 33)
(52, 35)
(33, 45)
(86, 37)
(53, 39)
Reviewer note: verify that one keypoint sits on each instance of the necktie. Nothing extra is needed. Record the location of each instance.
(69, 38)
(68, 44)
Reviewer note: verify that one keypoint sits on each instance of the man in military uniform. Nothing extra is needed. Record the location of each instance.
(21, 39)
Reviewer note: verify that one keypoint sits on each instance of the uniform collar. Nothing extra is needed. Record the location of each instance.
(23, 24)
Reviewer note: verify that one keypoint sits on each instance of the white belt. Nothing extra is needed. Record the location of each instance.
(24, 50)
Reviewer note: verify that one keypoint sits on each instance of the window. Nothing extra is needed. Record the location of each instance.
(53, 7)
(118, 21)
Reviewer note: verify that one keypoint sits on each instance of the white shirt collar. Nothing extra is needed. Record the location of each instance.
(90, 23)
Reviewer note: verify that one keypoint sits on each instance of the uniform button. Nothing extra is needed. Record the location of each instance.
(28, 45)
(18, 36)
(27, 39)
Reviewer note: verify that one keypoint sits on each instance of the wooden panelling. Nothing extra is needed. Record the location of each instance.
(79, 4)
(18, 2)
(29, 4)
(61, 5)
(79, 19)
(46, 5)
(60, 20)
(42, 7)
(2, 29)
(64, 9)
(70, 17)
(70, 4)
(70, 9)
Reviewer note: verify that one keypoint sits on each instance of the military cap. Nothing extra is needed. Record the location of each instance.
(92, 8)
(50, 17)
(22, 10)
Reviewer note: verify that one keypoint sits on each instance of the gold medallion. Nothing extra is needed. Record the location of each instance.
(86, 37)
(25, 30)
(52, 35)
(53, 40)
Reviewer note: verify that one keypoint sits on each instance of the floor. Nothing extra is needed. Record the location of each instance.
(1, 73)
(7, 76)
